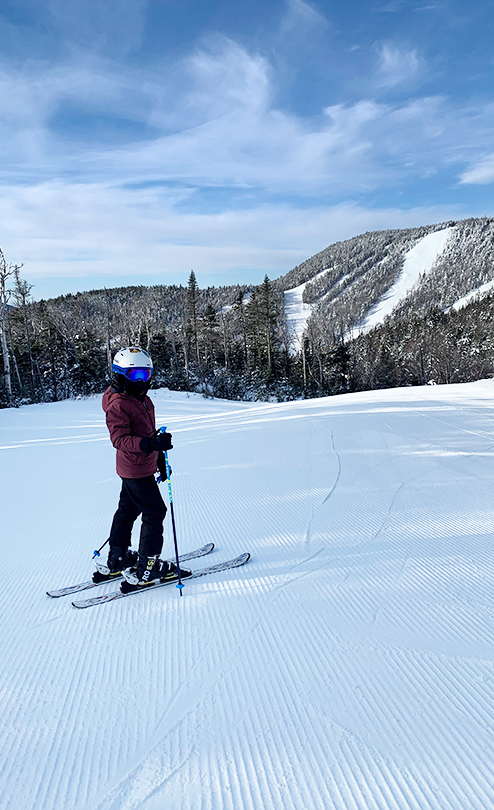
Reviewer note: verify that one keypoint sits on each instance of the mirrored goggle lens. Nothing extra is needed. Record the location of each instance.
(135, 374)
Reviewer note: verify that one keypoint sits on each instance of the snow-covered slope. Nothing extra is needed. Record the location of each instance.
(349, 664)
(418, 261)
(477, 293)
(297, 313)
(353, 286)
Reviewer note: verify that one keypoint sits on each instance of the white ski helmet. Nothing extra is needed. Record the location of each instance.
(133, 363)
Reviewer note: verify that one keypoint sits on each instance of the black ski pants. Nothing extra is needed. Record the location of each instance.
(139, 496)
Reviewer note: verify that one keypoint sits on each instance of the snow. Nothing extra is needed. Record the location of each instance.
(228, 307)
(480, 291)
(349, 665)
(418, 260)
(297, 313)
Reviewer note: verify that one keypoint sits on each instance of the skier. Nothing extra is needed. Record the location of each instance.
(140, 451)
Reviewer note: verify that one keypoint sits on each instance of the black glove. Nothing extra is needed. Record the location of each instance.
(163, 441)
(162, 466)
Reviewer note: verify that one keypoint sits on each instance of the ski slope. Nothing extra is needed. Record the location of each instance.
(297, 314)
(349, 664)
(419, 261)
(477, 293)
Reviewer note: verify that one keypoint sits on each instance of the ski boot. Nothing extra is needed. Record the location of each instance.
(118, 559)
(169, 572)
(148, 572)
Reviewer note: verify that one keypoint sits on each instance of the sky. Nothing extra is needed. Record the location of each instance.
(143, 139)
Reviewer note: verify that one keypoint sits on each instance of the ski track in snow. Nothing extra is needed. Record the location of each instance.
(348, 665)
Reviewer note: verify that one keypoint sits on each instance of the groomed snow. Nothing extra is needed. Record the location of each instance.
(480, 291)
(348, 666)
(418, 260)
(297, 313)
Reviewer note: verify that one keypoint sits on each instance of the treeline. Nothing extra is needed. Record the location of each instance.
(229, 342)
(439, 347)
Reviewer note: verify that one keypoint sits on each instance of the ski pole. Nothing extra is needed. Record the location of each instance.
(170, 496)
(96, 552)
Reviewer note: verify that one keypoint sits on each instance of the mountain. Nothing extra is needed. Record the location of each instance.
(352, 286)
(384, 309)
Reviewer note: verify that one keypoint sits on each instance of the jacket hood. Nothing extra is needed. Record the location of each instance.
(109, 395)
(114, 391)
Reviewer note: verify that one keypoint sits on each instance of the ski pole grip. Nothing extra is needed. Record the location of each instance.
(161, 429)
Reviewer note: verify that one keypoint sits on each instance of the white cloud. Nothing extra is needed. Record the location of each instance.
(481, 173)
(301, 16)
(213, 83)
(62, 229)
(398, 66)
(210, 120)
(214, 125)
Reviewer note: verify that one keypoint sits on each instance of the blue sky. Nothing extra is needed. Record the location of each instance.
(141, 140)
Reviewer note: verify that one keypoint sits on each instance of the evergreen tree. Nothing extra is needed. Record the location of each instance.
(267, 316)
(192, 329)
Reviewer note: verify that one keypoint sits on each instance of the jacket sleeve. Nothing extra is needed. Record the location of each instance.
(119, 422)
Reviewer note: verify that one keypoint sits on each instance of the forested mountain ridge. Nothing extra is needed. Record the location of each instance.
(238, 342)
(354, 255)
(347, 279)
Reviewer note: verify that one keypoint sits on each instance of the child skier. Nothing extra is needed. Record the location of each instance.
(140, 451)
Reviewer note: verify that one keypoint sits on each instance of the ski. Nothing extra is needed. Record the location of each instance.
(212, 569)
(83, 586)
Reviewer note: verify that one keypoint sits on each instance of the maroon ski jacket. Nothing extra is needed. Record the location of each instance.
(129, 420)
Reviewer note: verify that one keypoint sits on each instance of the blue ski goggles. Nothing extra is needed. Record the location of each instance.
(134, 374)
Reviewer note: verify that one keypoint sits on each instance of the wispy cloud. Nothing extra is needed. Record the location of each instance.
(398, 66)
(301, 17)
(210, 119)
(69, 229)
(75, 202)
(482, 173)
